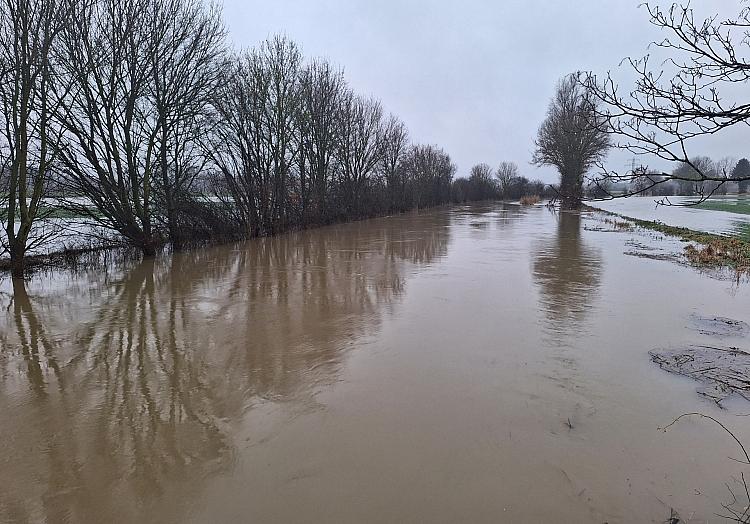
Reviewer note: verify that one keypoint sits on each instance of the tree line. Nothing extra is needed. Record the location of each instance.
(503, 183)
(137, 115)
(688, 178)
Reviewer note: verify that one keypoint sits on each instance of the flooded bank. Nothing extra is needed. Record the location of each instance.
(477, 364)
(679, 212)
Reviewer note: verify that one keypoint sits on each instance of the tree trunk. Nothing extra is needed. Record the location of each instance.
(175, 236)
(148, 246)
(570, 202)
(17, 262)
(571, 192)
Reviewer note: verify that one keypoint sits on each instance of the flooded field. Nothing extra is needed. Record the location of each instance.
(466, 364)
(681, 215)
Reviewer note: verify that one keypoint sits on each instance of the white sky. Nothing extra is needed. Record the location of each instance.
(473, 77)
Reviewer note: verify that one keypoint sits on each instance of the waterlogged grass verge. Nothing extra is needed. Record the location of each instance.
(704, 250)
(741, 207)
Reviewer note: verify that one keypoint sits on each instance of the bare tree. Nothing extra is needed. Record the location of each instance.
(256, 141)
(112, 141)
(688, 96)
(360, 147)
(482, 185)
(640, 185)
(28, 136)
(185, 69)
(321, 89)
(572, 138)
(395, 142)
(429, 171)
(689, 177)
(139, 110)
(506, 173)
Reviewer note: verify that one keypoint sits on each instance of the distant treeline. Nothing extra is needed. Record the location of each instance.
(687, 179)
(504, 183)
(140, 117)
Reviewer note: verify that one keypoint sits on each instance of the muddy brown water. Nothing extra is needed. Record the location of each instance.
(472, 364)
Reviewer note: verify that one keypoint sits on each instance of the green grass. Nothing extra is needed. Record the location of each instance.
(741, 206)
(713, 251)
(705, 249)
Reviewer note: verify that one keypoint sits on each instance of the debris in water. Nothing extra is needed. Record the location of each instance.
(722, 370)
(720, 327)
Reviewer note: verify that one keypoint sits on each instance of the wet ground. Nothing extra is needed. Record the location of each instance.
(472, 364)
(679, 212)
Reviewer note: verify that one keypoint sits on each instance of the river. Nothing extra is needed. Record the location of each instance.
(483, 363)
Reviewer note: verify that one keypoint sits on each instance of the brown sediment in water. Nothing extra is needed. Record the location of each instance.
(407, 369)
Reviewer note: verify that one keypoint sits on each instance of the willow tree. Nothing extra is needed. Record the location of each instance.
(573, 138)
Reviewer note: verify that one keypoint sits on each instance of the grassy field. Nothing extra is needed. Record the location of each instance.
(739, 205)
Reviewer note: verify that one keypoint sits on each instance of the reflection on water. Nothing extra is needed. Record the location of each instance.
(568, 272)
(468, 364)
(118, 394)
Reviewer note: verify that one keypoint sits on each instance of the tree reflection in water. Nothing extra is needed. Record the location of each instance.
(568, 273)
(120, 392)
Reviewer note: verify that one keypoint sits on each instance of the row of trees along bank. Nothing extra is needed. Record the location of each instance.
(136, 115)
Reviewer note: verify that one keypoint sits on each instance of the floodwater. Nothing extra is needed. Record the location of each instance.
(678, 212)
(472, 364)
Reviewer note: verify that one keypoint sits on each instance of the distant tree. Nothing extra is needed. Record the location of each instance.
(429, 172)
(572, 138)
(460, 190)
(482, 186)
(643, 183)
(505, 174)
(395, 142)
(742, 172)
(662, 189)
(690, 177)
(520, 186)
(537, 187)
(598, 189)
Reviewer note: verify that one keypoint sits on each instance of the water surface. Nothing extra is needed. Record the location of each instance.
(678, 213)
(472, 364)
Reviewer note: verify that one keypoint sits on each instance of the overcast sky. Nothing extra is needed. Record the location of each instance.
(473, 77)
